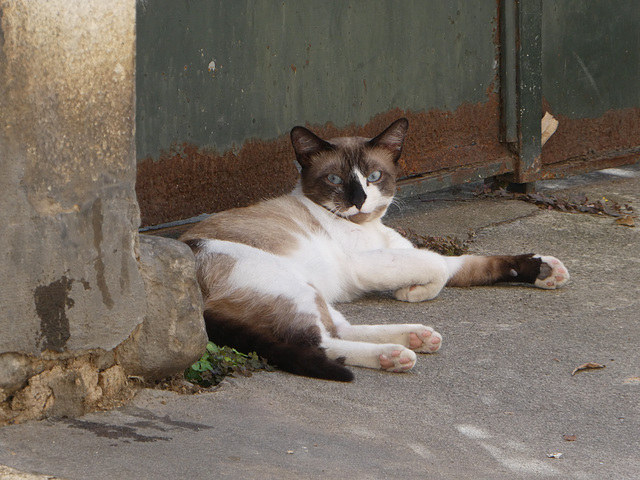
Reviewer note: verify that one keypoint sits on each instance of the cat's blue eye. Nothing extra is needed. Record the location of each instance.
(335, 179)
(374, 176)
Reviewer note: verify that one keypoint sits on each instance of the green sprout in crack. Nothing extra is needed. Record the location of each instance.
(220, 362)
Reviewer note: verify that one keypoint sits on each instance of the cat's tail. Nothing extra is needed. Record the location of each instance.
(299, 354)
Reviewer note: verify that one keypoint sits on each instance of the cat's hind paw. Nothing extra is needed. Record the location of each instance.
(553, 274)
(397, 359)
(427, 341)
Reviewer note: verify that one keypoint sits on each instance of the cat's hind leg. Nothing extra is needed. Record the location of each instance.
(418, 338)
(253, 301)
(386, 356)
(385, 347)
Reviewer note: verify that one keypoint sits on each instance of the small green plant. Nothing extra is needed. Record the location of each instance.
(219, 362)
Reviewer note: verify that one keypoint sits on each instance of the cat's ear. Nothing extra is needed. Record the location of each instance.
(392, 138)
(307, 144)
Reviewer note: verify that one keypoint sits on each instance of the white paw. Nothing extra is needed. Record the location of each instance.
(553, 273)
(426, 340)
(417, 293)
(396, 358)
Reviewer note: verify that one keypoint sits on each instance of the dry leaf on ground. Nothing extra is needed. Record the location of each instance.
(627, 221)
(633, 380)
(587, 366)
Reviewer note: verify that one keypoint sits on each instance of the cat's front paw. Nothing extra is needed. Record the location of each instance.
(417, 293)
(553, 274)
(396, 358)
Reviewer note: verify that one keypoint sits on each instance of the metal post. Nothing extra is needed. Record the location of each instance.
(521, 87)
(529, 89)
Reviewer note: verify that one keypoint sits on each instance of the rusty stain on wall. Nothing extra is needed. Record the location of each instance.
(189, 181)
(440, 139)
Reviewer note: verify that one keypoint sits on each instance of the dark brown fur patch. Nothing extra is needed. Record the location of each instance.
(272, 327)
(499, 268)
(273, 315)
(276, 316)
(301, 354)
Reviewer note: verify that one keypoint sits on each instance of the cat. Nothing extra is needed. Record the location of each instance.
(270, 273)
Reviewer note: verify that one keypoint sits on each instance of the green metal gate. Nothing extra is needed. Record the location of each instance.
(220, 84)
(580, 61)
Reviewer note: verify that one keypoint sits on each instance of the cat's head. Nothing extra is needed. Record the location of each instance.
(353, 177)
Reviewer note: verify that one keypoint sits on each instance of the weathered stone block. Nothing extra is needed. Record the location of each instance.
(66, 389)
(15, 369)
(172, 335)
(112, 381)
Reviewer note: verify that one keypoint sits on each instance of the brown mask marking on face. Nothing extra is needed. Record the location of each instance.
(329, 167)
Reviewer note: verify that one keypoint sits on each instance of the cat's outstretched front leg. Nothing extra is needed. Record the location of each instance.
(541, 271)
(468, 270)
(415, 293)
(418, 275)
(414, 275)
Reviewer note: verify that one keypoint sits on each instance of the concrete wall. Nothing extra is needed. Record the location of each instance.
(72, 282)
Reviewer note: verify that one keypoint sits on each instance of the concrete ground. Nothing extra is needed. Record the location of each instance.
(494, 403)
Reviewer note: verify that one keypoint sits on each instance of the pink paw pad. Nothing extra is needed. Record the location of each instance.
(417, 341)
(556, 277)
(427, 341)
(398, 361)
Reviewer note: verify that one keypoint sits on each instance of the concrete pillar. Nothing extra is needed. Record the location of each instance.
(68, 208)
(69, 247)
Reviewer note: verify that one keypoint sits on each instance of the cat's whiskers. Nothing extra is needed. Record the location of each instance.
(398, 203)
(333, 209)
